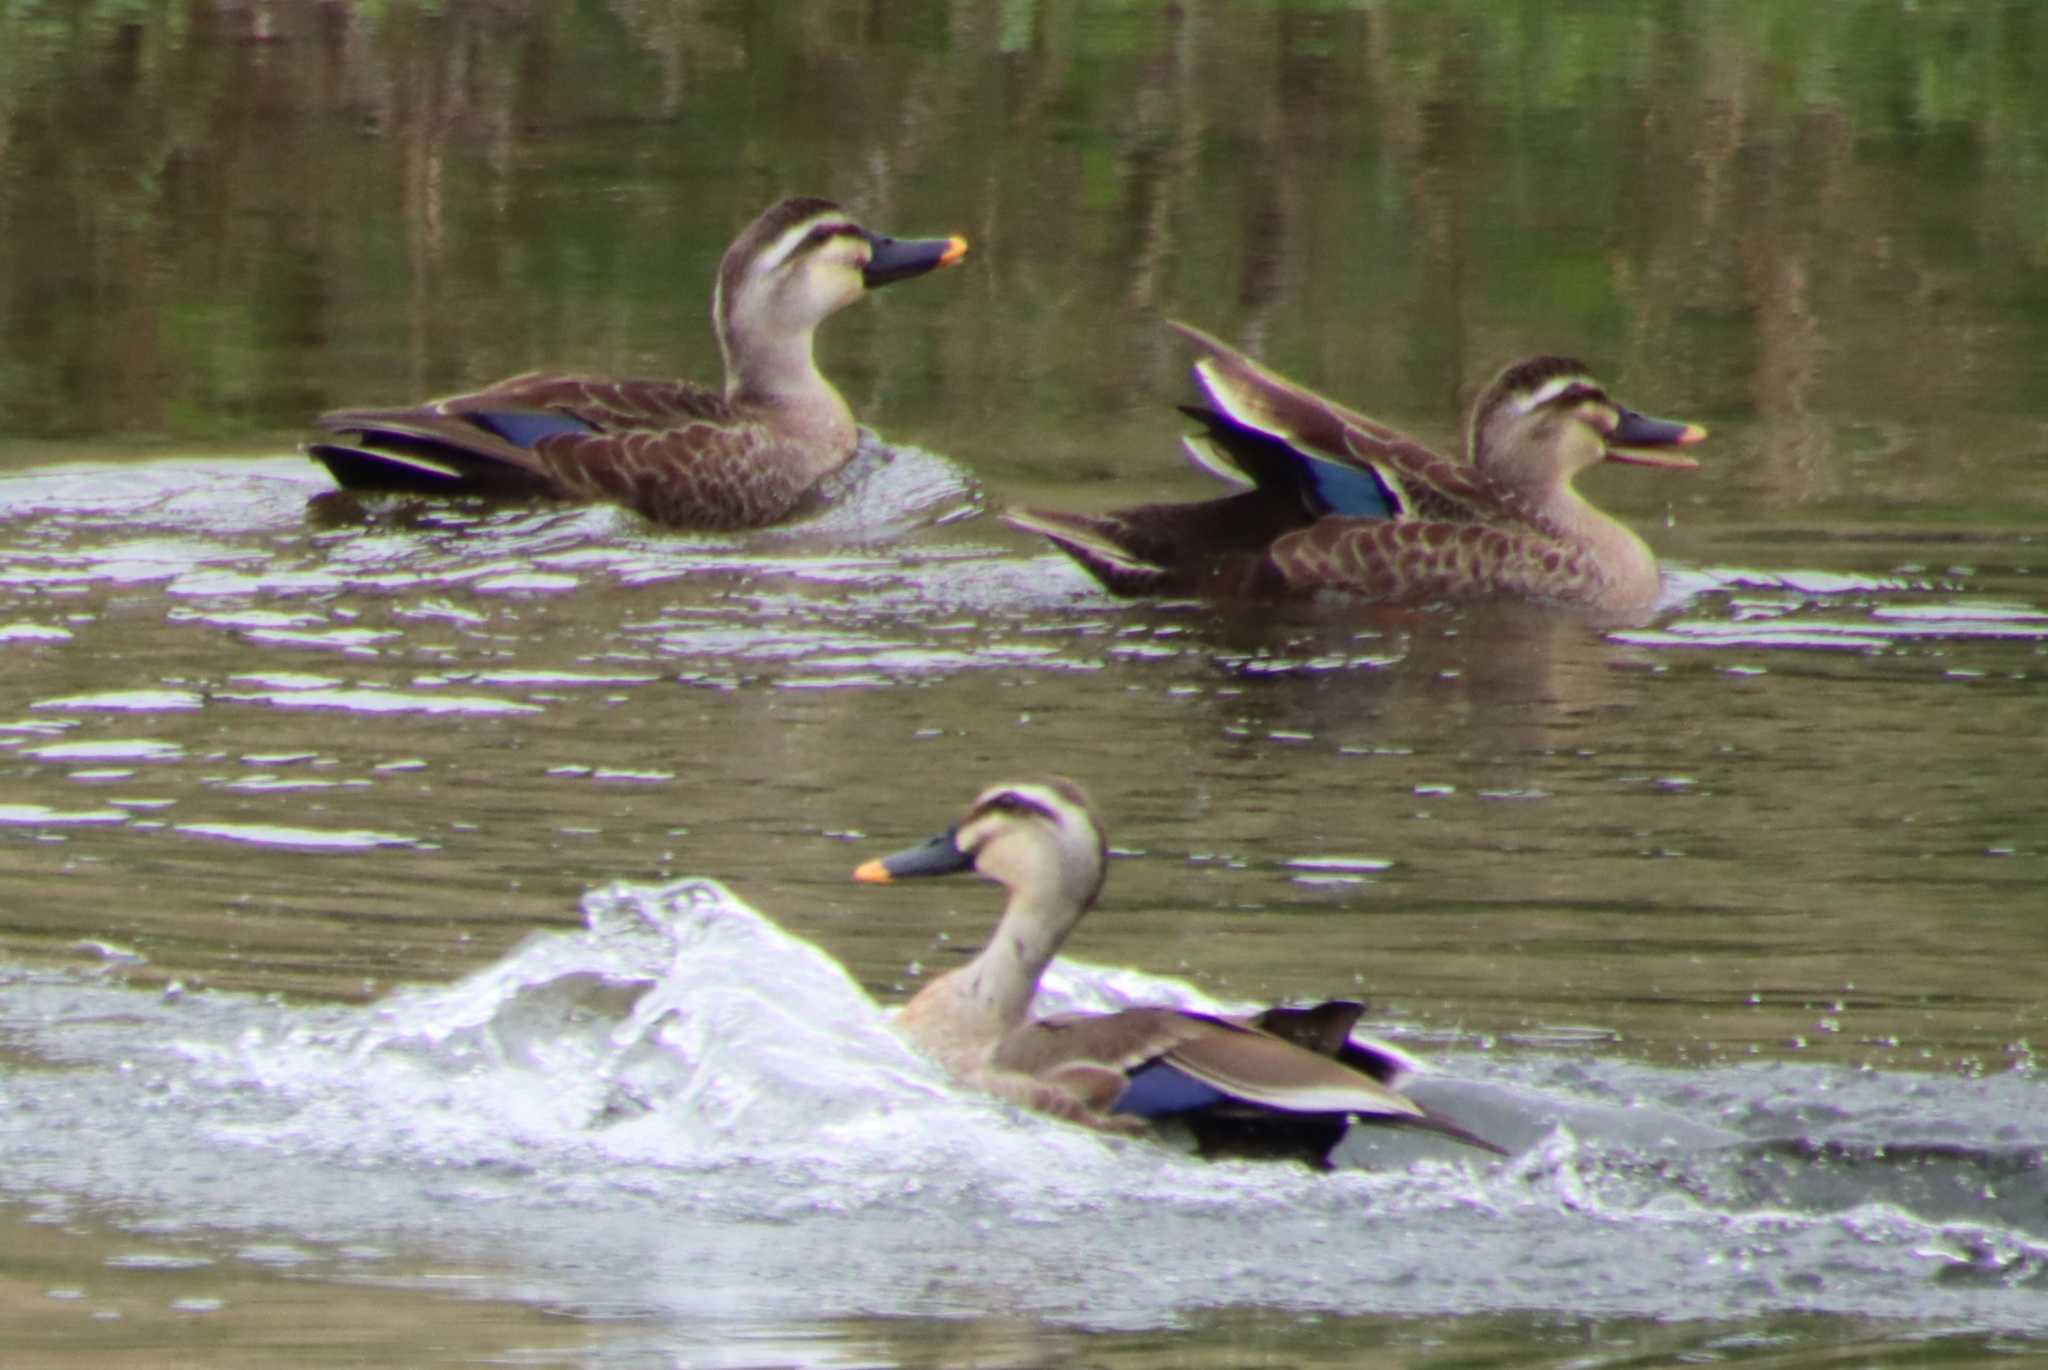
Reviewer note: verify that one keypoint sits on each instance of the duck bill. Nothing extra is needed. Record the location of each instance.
(898, 259)
(1641, 440)
(939, 856)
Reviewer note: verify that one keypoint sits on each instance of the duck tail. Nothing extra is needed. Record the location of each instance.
(1444, 1127)
(1092, 543)
(433, 450)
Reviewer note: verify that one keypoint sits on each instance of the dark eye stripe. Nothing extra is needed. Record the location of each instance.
(1010, 801)
(825, 233)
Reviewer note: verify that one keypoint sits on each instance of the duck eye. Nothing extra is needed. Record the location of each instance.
(1600, 415)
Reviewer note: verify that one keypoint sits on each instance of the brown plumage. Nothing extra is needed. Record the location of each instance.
(1341, 502)
(1285, 1082)
(679, 453)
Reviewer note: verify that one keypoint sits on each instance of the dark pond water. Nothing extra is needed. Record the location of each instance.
(316, 1045)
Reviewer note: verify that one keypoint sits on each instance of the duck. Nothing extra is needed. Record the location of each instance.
(1287, 1082)
(680, 454)
(1331, 500)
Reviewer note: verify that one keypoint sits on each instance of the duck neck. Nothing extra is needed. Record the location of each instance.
(771, 378)
(1622, 558)
(778, 371)
(1003, 978)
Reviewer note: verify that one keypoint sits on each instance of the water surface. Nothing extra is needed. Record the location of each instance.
(314, 1035)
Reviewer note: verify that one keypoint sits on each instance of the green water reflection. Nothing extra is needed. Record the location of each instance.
(1819, 225)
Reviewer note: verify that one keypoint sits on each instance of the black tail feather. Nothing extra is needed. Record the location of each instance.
(410, 465)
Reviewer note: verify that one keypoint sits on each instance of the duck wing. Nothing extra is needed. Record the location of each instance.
(1420, 481)
(676, 452)
(1240, 1088)
(1219, 1060)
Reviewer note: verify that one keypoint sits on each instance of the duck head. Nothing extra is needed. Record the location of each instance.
(1036, 838)
(1544, 420)
(803, 260)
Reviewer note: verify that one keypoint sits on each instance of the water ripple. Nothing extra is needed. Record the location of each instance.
(42, 815)
(126, 701)
(373, 701)
(310, 839)
(113, 749)
(1808, 624)
(33, 632)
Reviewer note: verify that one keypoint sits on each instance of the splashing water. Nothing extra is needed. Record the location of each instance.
(691, 1101)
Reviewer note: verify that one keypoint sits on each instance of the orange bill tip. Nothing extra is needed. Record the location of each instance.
(956, 248)
(872, 873)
